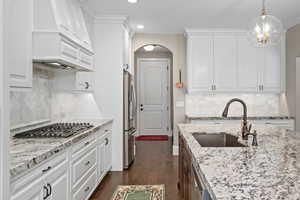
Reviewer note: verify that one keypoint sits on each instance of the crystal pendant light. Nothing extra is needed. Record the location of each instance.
(266, 30)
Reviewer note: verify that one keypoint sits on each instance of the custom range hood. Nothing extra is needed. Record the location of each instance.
(60, 35)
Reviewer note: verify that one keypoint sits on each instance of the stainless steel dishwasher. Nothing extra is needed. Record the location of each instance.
(198, 189)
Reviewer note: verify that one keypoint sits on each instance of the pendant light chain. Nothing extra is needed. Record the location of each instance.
(264, 11)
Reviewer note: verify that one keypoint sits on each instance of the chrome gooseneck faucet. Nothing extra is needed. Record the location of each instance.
(245, 128)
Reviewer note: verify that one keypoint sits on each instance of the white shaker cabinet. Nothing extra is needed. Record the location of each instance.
(71, 81)
(57, 183)
(104, 154)
(270, 75)
(248, 65)
(200, 63)
(32, 191)
(19, 43)
(225, 63)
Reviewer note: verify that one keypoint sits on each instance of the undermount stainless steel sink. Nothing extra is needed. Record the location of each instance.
(217, 140)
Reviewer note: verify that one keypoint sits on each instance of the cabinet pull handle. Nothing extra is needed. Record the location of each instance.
(87, 163)
(106, 141)
(87, 85)
(215, 87)
(50, 189)
(87, 189)
(45, 170)
(212, 87)
(106, 131)
(262, 87)
(47, 193)
(87, 143)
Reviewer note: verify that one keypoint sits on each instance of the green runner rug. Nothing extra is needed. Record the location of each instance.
(139, 192)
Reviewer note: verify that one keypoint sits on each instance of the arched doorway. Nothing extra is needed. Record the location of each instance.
(153, 69)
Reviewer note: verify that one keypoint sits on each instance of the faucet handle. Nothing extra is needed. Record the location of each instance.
(254, 141)
(249, 128)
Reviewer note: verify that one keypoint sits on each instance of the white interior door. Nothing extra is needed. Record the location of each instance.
(153, 97)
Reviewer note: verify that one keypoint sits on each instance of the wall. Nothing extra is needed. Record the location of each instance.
(43, 104)
(208, 105)
(292, 51)
(177, 45)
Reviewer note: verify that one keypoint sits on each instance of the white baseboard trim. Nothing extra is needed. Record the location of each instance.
(175, 150)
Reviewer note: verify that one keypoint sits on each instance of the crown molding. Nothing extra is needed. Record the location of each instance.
(112, 19)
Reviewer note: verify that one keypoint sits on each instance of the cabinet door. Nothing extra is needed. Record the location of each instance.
(58, 181)
(31, 192)
(248, 65)
(271, 79)
(19, 43)
(200, 63)
(108, 152)
(84, 81)
(225, 63)
(101, 159)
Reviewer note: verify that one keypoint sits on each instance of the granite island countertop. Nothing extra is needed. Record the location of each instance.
(267, 172)
(27, 153)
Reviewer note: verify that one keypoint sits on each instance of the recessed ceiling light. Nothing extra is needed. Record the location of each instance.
(132, 1)
(149, 47)
(140, 26)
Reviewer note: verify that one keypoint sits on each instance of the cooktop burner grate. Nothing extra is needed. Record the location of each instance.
(58, 130)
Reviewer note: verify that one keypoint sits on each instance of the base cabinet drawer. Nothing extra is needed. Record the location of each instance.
(86, 189)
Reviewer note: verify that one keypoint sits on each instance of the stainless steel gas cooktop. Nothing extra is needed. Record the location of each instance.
(58, 130)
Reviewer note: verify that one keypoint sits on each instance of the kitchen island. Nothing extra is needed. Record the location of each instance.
(269, 171)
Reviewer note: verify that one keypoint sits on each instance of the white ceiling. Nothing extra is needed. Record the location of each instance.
(173, 16)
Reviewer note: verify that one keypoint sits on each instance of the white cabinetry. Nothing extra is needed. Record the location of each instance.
(104, 153)
(73, 81)
(224, 61)
(71, 175)
(271, 78)
(248, 65)
(49, 181)
(200, 62)
(19, 43)
(60, 34)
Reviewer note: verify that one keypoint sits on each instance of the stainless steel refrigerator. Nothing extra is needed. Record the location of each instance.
(129, 118)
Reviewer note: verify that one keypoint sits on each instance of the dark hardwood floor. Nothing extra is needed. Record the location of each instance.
(154, 164)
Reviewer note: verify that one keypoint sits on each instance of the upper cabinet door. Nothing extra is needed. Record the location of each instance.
(225, 62)
(19, 43)
(248, 64)
(271, 78)
(200, 63)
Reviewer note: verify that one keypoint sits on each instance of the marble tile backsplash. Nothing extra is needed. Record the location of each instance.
(208, 105)
(28, 107)
(43, 104)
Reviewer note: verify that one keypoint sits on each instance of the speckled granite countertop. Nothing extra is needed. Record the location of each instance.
(267, 172)
(193, 117)
(27, 153)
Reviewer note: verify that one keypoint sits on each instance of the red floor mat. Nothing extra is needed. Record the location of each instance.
(152, 138)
